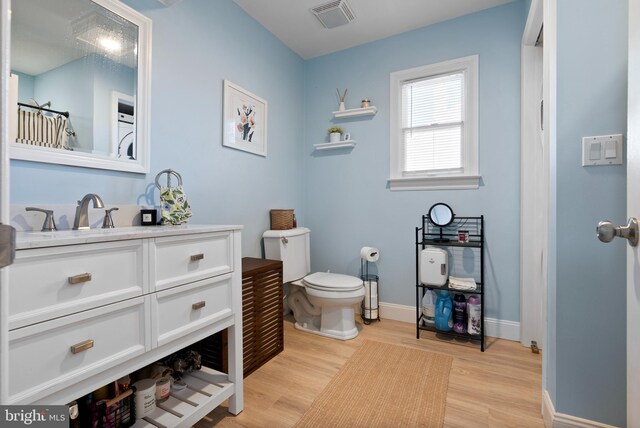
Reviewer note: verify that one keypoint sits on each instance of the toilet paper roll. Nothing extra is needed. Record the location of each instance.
(371, 302)
(371, 288)
(370, 314)
(370, 254)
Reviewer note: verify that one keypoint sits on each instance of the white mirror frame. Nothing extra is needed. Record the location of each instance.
(143, 90)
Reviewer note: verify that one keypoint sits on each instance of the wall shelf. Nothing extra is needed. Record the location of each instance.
(338, 145)
(353, 112)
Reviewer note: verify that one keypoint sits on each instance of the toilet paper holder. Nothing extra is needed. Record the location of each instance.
(370, 308)
(370, 254)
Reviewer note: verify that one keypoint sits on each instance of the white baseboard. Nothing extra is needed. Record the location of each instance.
(502, 329)
(392, 311)
(553, 419)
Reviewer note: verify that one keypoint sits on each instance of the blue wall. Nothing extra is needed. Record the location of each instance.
(343, 197)
(197, 44)
(348, 202)
(590, 285)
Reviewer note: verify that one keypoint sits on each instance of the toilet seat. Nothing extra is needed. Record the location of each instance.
(326, 281)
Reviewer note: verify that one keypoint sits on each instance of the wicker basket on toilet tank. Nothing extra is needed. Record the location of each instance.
(282, 219)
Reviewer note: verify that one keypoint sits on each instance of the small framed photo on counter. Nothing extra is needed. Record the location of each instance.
(148, 217)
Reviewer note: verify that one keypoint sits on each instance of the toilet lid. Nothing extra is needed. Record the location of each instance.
(332, 281)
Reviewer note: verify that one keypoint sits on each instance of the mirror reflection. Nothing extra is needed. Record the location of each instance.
(73, 78)
(441, 214)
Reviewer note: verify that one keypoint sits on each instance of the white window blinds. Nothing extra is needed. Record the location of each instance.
(433, 123)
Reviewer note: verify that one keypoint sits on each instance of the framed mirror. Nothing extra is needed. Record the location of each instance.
(441, 214)
(79, 85)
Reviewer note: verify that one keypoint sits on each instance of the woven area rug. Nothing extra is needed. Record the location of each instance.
(384, 385)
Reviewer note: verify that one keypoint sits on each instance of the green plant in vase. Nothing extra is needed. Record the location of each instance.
(335, 132)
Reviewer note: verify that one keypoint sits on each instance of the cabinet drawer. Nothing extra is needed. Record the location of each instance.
(42, 359)
(183, 259)
(182, 310)
(47, 283)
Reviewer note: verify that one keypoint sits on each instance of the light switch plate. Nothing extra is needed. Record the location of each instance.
(602, 150)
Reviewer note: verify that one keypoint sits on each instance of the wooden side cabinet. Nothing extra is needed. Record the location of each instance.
(262, 318)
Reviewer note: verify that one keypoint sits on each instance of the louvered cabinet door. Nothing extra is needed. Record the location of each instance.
(262, 312)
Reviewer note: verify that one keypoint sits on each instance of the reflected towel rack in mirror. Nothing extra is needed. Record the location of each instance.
(63, 113)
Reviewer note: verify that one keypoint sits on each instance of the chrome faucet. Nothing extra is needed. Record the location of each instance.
(82, 211)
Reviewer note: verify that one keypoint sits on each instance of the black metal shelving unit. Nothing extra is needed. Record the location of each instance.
(432, 235)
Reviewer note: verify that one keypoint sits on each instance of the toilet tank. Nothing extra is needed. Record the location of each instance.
(292, 247)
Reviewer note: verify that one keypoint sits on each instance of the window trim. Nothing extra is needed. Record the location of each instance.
(470, 177)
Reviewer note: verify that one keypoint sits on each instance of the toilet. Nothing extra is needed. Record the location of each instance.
(322, 302)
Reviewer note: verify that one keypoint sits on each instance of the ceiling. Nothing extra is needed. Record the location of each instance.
(293, 23)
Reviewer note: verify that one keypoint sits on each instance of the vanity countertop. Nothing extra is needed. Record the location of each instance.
(35, 239)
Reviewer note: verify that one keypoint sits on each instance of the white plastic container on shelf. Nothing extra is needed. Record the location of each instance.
(145, 397)
(429, 308)
(434, 268)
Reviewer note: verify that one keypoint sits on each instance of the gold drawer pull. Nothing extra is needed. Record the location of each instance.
(82, 346)
(77, 279)
(198, 305)
(197, 257)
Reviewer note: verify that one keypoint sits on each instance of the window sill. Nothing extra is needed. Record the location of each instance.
(457, 182)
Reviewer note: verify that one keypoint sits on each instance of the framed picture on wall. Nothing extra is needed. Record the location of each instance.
(244, 120)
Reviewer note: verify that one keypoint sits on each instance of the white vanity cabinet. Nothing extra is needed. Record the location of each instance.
(51, 282)
(87, 307)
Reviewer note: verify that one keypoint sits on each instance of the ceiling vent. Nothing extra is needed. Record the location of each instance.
(334, 14)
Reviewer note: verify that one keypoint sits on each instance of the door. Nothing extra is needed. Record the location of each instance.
(633, 210)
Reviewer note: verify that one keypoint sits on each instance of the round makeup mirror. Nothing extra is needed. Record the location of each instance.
(441, 214)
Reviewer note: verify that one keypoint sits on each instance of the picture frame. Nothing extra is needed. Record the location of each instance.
(244, 120)
(148, 217)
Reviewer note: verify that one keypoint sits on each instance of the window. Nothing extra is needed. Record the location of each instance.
(434, 132)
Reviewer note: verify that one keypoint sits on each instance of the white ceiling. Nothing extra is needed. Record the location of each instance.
(293, 23)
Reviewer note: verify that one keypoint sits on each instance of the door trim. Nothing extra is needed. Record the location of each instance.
(633, 210)
(534, 191)
(5, 56)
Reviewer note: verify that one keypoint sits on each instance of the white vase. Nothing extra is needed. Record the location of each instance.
(334, 137)
(341, 106)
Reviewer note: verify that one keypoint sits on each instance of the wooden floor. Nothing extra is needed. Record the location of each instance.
(498, 388)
